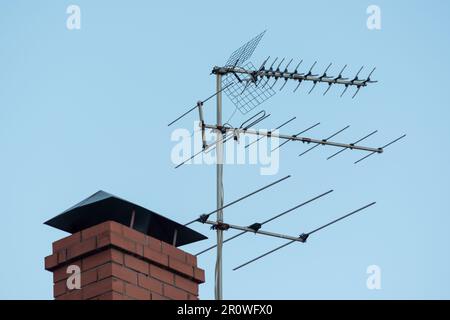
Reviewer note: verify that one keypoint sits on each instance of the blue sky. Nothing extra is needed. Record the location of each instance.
(87, 109)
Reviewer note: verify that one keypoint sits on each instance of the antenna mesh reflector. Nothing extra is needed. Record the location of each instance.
(242, 54)
(244, 95)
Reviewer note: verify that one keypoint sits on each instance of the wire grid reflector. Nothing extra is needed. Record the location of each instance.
(242, 54)
(246, 95)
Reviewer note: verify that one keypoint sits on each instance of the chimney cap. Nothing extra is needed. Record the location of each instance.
(102, 206)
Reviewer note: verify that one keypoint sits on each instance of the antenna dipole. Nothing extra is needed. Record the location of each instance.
(316, 142)
(277, 74)
(304, 236)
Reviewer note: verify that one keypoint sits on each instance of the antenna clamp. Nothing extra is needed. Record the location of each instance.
(203, 218)
(303, 237)
(256, 226)
(220, 226)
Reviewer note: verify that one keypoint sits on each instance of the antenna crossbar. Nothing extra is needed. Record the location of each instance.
(295, 138)
(226, 226)
(260, 224)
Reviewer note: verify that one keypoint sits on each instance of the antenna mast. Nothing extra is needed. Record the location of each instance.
(220, 194)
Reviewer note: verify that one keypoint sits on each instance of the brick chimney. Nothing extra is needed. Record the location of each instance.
(119, 263)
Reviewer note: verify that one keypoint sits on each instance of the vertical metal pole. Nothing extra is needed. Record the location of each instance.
(219, 157)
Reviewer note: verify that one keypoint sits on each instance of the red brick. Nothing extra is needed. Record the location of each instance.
(111, 295)
(51, 261)
(173, 252)
(97, 288)
(186, 284)
(154, 243)
(107, 226)
(150, 283)
(116, 256)
(156, 296)
(71, 295)
(88, 277)
(134, 235)
(192, 297)
(191, 259)
(181, 267)
(136, 264)
(136, 292)
(62, 256)
(104, 240)
(59, 288)
(117, 271)
(199, 275)
(156, 256)
(96, 260)
(174, 293)
(81, 248)
(161, 274)
(67, 241)
(112, 238)
(117, 285)
(102, 286)
(139, 249)
(60, 274)
(102, 257)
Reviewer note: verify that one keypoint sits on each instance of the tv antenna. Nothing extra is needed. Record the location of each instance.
(248, 87)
